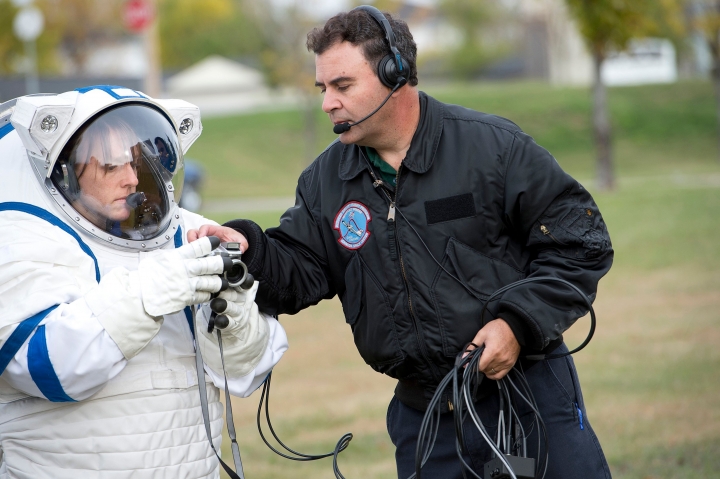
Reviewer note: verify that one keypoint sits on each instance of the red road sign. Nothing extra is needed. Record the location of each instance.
(138, 15)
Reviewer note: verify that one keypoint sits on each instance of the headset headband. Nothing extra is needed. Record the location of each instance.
(389, 33)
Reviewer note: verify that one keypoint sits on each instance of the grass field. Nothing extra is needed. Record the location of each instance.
(651, 376)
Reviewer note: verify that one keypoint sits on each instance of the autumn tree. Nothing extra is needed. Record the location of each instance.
(72, 27)
(10, 47)
(606, 26)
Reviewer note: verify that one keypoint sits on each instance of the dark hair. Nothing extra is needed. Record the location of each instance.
(359, 28)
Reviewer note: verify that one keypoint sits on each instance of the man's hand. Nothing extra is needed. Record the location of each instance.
(223, 232)
(501, 349)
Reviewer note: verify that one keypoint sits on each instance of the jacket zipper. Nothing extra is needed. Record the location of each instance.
(391, 232)
(391, 222)
(395, 254)
(546, 232)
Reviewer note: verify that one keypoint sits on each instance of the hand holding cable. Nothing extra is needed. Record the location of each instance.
(501, 349)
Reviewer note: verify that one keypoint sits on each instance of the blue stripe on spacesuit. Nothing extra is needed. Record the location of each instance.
(41, 369)
(4, 130)
(109, 90)
(54, 220)
(19, 336)
(178, 239)
(188, 316)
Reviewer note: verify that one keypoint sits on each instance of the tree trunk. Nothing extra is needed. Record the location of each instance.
(601, 129)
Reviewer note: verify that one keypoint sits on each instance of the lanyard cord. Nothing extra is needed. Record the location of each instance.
(202, 388)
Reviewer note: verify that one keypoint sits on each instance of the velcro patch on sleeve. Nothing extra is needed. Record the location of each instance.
(450, 208)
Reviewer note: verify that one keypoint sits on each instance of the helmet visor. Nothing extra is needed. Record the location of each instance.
(117, 171)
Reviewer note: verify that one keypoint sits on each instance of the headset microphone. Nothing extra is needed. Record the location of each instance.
(134, 200)
(343, 127)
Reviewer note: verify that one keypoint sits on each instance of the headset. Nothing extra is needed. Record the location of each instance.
(392, 68)
(64, 176)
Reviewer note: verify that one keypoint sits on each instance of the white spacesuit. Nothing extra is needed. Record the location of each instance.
(97, 280)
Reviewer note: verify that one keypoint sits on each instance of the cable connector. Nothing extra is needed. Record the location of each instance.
(522, 467)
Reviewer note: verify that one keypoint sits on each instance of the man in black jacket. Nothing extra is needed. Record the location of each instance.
(415, 216)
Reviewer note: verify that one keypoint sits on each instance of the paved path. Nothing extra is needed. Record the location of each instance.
(244, 205)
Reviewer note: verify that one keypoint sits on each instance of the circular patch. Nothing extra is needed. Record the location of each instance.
(351, 223)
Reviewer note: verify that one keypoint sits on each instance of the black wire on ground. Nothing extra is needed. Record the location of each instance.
(341, 445)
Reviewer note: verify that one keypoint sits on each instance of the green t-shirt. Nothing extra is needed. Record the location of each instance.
(387, 172)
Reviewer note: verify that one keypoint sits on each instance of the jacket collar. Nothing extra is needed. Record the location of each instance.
(422, 150)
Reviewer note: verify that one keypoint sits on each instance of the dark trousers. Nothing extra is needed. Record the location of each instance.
(575, 452)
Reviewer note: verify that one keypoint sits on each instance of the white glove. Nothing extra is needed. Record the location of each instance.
(181, 277)
(244, 339)
(130, 304)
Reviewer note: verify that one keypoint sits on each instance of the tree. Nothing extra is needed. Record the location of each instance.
(286, 60)
(192, 30)
(72, 26)
(82, 25)
(606, 26)
(470, 18)
(705, 19)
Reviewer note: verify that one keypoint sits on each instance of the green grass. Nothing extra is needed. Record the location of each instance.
(651, 375)
(661, 224)
(657, 129)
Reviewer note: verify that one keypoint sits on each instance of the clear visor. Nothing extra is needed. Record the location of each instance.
(116, 170)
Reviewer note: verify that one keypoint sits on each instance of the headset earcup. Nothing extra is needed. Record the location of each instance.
(387, 71)
(58, 177)
(74, 183)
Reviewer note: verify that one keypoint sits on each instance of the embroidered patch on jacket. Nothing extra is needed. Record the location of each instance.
(352, 224)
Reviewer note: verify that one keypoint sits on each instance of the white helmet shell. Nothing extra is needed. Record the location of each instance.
(103, 129)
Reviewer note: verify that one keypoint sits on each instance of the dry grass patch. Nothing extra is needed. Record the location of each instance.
(650, 379)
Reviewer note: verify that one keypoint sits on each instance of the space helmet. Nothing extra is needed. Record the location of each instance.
(112, 160)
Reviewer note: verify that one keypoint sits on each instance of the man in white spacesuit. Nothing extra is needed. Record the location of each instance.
(98, 287)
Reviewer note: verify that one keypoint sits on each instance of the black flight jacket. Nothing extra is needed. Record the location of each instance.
(478, 205)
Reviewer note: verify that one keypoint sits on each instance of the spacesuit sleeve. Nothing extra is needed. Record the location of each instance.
(69, 356)
(51, 344)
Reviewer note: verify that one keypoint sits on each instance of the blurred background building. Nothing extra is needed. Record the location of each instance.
(243, 50)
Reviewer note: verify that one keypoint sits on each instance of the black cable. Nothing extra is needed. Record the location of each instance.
(341, 445)
(522, 434)
(538, 279)
(533, 405)
(433, 408)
